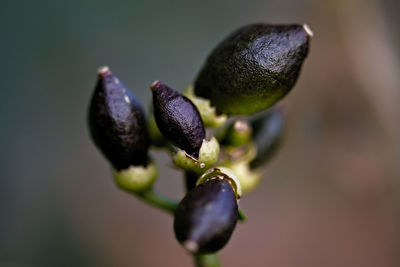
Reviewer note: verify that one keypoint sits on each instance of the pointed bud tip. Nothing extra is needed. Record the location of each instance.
(241, 126)
(308, 30)
(155, 85)
(104, 71)
(191, 246)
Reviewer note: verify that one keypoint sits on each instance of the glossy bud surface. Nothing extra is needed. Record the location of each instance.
(253, 68)
(206, 216)
(117, 123)
(178, 119)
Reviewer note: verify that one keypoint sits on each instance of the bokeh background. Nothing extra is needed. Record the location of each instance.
(329, 197)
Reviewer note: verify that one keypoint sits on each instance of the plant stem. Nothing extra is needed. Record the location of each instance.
(209, 260)
(190, 180)
(157, 200)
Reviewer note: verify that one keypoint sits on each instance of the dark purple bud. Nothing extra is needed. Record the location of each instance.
(117, 123)
(178, 119)
(206, 217)
(268, 131)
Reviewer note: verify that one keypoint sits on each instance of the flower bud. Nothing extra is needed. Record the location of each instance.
(156, 137)
(267, 134)
(117, 123)
(178, 119)
(206, 216)
(237, 134)
(253, 68)
(248, 179)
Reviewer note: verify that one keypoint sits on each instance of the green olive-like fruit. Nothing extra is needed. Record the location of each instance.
(253, 68)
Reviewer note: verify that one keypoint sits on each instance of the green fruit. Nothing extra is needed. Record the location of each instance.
(253, 68)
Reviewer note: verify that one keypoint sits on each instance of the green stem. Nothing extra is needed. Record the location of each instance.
(208, 260)
(241, 216)
(157, 200)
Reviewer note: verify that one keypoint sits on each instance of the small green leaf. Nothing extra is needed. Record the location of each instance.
(241, 216)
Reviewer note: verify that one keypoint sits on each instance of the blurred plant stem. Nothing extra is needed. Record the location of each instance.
(209, 260)
(159, 201)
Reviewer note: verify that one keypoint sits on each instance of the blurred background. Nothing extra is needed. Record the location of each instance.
(329, 197)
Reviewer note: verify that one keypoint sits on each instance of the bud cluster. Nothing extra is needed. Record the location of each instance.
(222, 156)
